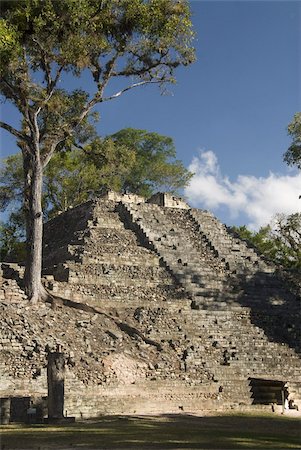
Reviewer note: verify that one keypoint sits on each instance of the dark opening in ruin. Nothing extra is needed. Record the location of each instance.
(265, 392)
(22, 409)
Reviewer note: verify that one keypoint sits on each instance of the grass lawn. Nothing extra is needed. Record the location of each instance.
(227, 431)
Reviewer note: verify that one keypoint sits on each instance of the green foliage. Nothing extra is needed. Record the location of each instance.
(131, 160)
(293, 155)
(155, 166)
(74, 176)
(11, 181)
(280, 241)
(146, 40)
(288, 237)
(11, 199)
(8, 42)
(261, 239)
(12, 239)
(42, 41)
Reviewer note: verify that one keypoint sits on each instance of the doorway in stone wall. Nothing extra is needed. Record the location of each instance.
(266, 392)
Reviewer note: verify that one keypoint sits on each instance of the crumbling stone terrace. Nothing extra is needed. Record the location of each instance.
(157, 307)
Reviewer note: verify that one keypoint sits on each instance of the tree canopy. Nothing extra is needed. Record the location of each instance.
(279, 241)
(135, 161)
(44, 42)
(154, 166)
(293, 155)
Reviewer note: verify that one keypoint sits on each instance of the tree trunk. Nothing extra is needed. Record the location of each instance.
(33, 174)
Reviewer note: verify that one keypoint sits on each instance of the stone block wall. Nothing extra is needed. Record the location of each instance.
(167, 200)
(153, 313)
(234, 251)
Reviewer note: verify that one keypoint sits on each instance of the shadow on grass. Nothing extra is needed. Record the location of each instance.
(159, 432)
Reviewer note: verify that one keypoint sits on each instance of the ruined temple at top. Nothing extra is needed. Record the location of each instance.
(160, 309)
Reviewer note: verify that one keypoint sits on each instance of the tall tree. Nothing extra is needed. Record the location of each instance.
(138, 41)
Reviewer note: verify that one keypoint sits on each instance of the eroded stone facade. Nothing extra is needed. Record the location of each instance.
(158, 309)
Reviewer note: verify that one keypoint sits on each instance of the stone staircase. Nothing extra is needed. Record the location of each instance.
(204, 277)
(102, 261)
(221, 273)
(241, 351)
(230, 277)
(237, 255)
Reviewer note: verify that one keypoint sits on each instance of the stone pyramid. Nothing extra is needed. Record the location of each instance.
(160, 309)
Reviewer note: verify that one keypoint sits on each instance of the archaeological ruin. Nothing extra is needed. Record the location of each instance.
(157, 308)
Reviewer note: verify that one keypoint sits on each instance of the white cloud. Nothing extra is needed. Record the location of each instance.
(259, 199)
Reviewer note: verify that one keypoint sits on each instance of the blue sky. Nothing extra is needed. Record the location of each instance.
(229, 111)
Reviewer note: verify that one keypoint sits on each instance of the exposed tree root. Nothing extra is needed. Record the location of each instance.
(45, 296)
(128, 329)
(133, 331)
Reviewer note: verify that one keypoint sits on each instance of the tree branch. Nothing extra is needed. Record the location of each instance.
(101, 87)
(66, 130)
(45, 63)
(47, 157)
(141, 83)
(51, 82)
(96, 99)
(14, 132)
(13, 94)
(50, 89)
(151, 64)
